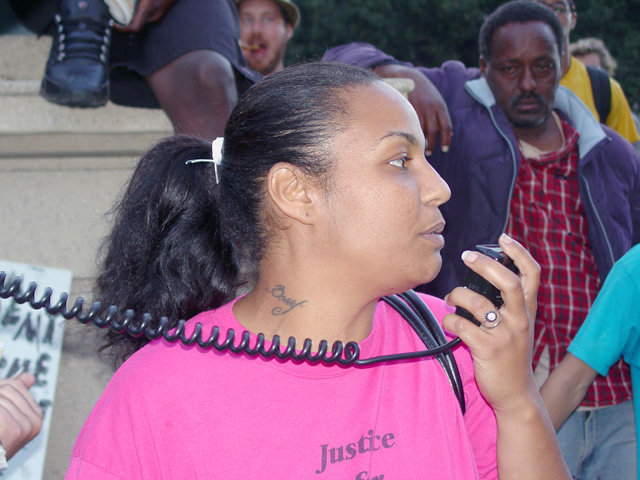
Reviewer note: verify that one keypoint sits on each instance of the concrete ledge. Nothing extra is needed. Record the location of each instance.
(55, 216)
(68, 145)
(59, 164)
(29, 113)
(19, 87)
(23, 57)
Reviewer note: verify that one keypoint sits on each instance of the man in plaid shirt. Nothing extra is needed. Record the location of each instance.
(527, 157)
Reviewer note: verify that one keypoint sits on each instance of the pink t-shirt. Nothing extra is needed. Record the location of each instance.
(174, 412)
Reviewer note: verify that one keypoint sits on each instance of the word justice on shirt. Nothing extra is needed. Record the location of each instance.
(367, 443)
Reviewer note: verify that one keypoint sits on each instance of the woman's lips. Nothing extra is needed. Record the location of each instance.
(434, 234)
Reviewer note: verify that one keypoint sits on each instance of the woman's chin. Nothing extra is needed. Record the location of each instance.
(415, 283)
(410, 279)
(433, 271)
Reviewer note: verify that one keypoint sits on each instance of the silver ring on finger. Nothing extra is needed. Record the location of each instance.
(492, 319)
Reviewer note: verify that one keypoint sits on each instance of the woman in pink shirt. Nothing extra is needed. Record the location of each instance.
(319, 203)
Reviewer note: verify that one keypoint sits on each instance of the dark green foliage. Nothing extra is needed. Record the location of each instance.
(428, 32)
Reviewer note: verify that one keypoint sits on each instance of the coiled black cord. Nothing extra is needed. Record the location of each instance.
(407, 304)
(344, 354)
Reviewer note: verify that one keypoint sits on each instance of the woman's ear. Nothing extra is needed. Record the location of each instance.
(292, 193)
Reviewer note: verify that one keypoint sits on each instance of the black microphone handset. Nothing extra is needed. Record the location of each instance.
(478, 284)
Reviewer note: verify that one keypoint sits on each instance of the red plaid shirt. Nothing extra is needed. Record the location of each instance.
(547, 216)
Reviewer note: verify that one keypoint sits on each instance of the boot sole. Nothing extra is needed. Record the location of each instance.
(73, 97)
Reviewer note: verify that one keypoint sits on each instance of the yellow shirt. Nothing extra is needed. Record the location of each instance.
(577, 80)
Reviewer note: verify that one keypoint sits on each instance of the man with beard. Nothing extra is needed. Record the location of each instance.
(265, 29)
(527, 158)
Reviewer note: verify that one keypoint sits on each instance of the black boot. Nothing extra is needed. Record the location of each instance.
(77, 70)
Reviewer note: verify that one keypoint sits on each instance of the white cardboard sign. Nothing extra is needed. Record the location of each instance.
(33, 340)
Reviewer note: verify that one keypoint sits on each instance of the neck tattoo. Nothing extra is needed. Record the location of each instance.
(279, 293)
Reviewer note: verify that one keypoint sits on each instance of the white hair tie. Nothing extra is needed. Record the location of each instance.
(216, 156)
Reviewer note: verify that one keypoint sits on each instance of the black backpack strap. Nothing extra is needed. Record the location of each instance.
(413, 309)
(601, 89)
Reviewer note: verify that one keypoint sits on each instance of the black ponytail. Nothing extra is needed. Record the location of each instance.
(166, 254)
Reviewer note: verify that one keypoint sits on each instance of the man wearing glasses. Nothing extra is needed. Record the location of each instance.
(576, 77)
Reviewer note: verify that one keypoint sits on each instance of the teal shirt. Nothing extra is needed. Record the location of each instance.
(612, 328)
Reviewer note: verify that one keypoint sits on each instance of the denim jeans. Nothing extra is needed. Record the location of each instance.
(600, 444)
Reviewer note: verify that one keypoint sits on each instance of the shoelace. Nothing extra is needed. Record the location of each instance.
(83, 39)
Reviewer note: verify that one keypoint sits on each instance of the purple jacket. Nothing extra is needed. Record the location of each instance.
(484, 159)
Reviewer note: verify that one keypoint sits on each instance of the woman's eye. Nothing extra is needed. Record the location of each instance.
(398, 162)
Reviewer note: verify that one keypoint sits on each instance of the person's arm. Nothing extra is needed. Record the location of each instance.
(565, 388)
(425, 97)
(527, 447)
(608, 333)
(20, 415)
(147, 11)
(427, 102)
